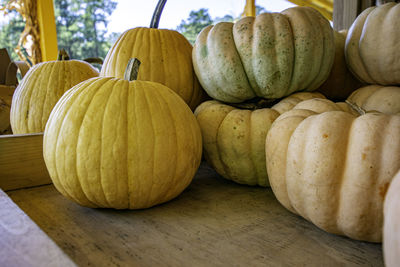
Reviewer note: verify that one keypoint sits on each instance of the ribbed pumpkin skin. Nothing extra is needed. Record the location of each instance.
(372, 45)
(119, 144)
(341, 82)
(270, 56)
(333, 168)
(391, 226)
(234, 138)
(385, 99)
(165, 56)
(41, 88)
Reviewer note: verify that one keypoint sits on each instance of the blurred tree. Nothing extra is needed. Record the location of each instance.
(200, 19)
(194, 24)
(82, 26)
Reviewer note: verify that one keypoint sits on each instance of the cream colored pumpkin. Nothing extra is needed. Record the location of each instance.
(385, 99)
(333, 168)
(234, 137)
(114, 143)
(372, 45)
(391, 226)
(341, 82)
(271, 56)
(41, 88)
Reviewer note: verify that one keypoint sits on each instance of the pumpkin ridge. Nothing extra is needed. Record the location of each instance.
(155, 139)
(101, 149)
(131, 168)
(32, 125)
(256, 175)
(55, 178)
(81, 90)
(339, 191)
(162, 101)
(45, 94)
(219, 147)
(317, 81)
(89, 92)
(352, 45)
(87, 189)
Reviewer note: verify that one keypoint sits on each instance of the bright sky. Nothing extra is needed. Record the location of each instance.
(134, 13)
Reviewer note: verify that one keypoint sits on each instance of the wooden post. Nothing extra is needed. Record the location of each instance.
(346, 11)
(249, 9)
(48, 33)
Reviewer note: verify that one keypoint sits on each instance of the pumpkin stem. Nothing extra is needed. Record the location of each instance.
(157, 14)
(132, 70)
(63, 55)
(94, 60)
(357, 108)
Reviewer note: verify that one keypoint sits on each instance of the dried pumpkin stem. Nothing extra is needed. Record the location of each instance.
(63, 55)
(157, 14)
(132, 70)
(357, 108)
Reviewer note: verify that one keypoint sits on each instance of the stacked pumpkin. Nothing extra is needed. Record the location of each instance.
(331, 163)
(265, 59)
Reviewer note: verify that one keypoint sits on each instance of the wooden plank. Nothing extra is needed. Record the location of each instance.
(214, 222)
(346, 11)
(22, 243)
(21, 161)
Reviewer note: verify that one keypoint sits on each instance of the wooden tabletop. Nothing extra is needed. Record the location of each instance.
(214, 222)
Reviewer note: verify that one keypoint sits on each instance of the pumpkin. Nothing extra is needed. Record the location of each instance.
(41, 88)
(391, 226)
(121, 143)
(385, 99)
(333, 168)
(341, 82)
(270, 56)
(166, 56)
(234, 137)
(372, 45)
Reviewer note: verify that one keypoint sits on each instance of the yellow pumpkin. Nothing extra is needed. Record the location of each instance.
(341, 82)
(333, 168)
(234, 137)
(385, 99)
(41, 88)
(123, 144)
(372, 45)
(391, 226)
(166, 56)
(271, 56)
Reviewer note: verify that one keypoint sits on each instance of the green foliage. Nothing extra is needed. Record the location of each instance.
(82, 26)
(10, 33)
(200, 19)
(194, 24)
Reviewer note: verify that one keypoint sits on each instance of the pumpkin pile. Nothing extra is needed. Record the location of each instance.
(328, 162)
(129, 139)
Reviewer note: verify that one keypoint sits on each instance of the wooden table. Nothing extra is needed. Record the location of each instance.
(214, 222)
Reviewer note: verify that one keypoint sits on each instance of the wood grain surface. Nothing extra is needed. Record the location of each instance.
(214, 222)
(22, 243)
(21, 161)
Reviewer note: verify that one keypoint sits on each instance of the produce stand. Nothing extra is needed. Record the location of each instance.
(214, 222)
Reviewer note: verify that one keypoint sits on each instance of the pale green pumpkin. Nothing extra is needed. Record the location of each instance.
(271, 56)
(234, 136)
